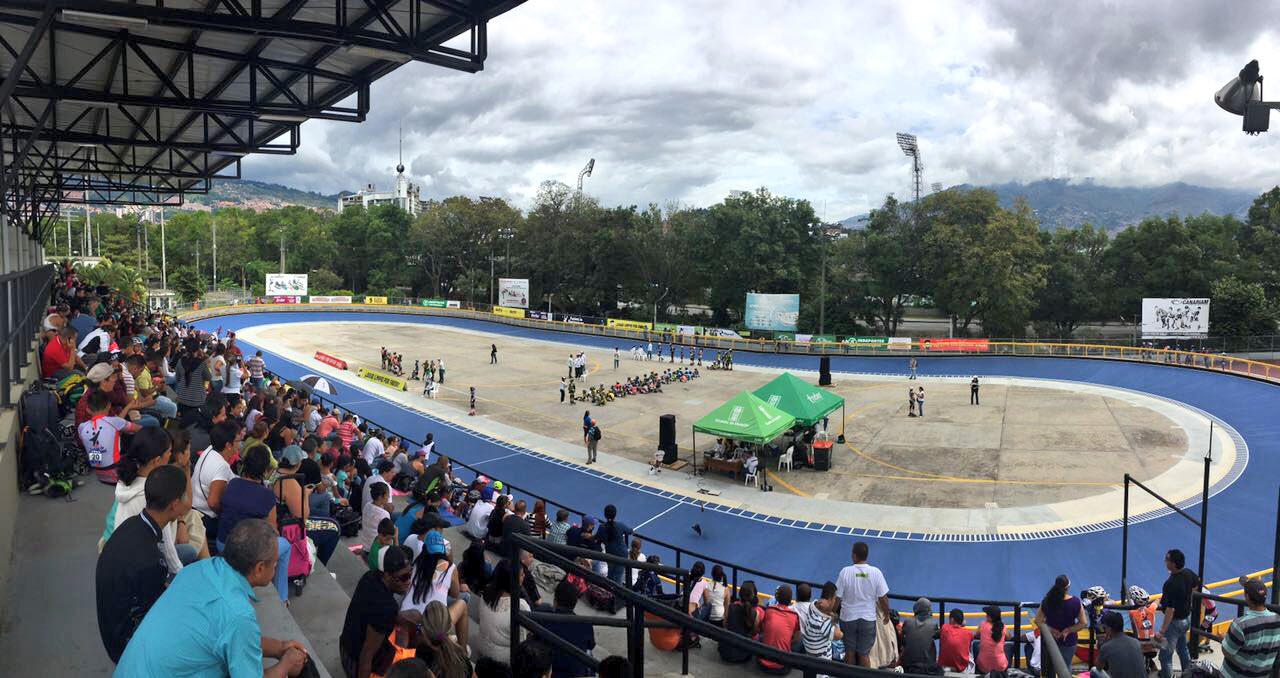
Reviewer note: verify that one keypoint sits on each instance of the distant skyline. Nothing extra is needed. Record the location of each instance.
(686, 101)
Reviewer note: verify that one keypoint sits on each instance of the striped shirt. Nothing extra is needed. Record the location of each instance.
(1252, 645)
(817, 630)
(256, 366)
(191, 393)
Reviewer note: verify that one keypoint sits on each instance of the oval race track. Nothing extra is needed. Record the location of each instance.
(1241, 517)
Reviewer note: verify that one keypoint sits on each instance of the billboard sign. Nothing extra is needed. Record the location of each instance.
(435, 303)
(777, 312)
(623, 324)
(575, 319)
(330, 300)
(959, 345)
(1175, 318)
(376, 301)
(508, 312)
(513, 292)
(286, 285)
(540, 315)
(286, 300)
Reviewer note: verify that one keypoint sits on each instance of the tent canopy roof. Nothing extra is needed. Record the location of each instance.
(802, 400)
(746, 417)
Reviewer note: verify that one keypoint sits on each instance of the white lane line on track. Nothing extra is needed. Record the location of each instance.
(486, 461)
(672, 507)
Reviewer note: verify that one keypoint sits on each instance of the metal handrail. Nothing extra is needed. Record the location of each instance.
(29, 290)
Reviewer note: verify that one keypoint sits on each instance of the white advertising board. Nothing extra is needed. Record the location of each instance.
(330, 300)
(513, 292)
(1175, 318)
(286, 285)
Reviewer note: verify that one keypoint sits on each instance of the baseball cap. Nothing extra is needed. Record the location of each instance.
(381, 465)
(486, 494)
(1254, 589)
(434, 542)
(99, 372)
(292, 455)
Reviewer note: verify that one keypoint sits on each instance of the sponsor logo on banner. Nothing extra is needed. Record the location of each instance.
(575, 319)
(329, 300)
(384, 379)
(376, 301)
(873, 342)
(634, 325)
(721, 332)
(665, 327)
(899, 343)
(286, 284)
(508, 312)
(286, 300)
(540, 315)
(777, 312)
(331, 361)
(513, 292)
(823, 338)
(453, 304)
(963, 345)
(1175, 318)
(689, 330)
(435, 303)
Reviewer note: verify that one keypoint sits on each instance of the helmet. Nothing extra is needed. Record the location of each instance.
(497, 486)
(1094, 594)
(483, 480)
(1138, 595)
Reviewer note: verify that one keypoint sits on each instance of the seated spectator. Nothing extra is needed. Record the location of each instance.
(129, 577)
(291, 490)
(383, 472)
(378, 510)
(60, 358)
(148, 451)
(1121, 654)
(532, 660)
(580, 634)
(819, 629)
(697, 591)
(1252, 645)
(364, 647)
(744, 618)
(247, 497)
(557, 531)
(918, 631)
(149, 400)
(101, 434)
(497, 518)
(445, 657)
(436, 579)
(492, 639)
(991, 640)
(538, 522)
(615, 666)
(779, 629)
(635, 553)
(955, 644)
(386, 537)
(516, 522)
(475, 570)
(175, 639)
(804, 598)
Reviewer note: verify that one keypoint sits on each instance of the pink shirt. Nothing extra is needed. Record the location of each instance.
(991, 656)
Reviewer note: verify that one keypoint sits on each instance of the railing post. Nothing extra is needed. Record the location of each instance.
(1017, 635)
(1124, 544)
(6, 350)
(635, 642)
(685, 584)
(1275, 558)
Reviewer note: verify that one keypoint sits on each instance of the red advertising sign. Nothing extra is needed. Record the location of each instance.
(331, 361)
(960, 345)
(286, 300)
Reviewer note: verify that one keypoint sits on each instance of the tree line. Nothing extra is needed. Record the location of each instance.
(994, 271)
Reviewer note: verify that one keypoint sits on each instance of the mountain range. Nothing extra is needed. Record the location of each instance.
(260, 195)
(1063, 202)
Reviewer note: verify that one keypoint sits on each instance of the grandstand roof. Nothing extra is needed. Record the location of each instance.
(113, 102)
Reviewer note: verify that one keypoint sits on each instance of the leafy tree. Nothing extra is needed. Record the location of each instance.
(891, 262)
(323, 281)
(186, 283)
(1074, 279)
(1240, 309)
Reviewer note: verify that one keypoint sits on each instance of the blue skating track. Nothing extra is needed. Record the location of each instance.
(1241, 517)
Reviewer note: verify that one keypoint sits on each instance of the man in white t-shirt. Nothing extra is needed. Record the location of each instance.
(213, 472)
(374, 448)
(477, 526)
(861, 592)
(383, 472)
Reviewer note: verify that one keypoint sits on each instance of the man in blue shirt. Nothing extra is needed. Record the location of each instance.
(582, 635)
(204, 624)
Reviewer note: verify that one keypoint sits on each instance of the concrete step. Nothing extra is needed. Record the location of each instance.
(319, 613)
(277, 621)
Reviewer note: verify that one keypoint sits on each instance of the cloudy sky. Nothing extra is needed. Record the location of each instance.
(685, 100)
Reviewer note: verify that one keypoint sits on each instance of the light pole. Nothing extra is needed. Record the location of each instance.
(164, 262)
(1242, 96)
(586, 172)
(214, 221)
(655, 304)
(911, 148)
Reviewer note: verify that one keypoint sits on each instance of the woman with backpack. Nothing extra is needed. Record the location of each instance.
(292, 502)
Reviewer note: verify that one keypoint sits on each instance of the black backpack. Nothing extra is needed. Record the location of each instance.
(40, 408)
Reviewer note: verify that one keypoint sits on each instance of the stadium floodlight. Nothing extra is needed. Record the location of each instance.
(74, 16)
(1242, 96)
(377, 53)
(282, 117)
(907, 142)
(586, 172)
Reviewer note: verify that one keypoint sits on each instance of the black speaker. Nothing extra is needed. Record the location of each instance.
(667, 438)
(822, 458)
(824, 371)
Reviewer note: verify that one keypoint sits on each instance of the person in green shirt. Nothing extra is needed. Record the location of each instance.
(1252, 645)
(386, 537)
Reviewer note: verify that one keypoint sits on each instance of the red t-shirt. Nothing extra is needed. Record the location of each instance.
(326, 426)
(780, 624)
(54, 358)
(955, 645)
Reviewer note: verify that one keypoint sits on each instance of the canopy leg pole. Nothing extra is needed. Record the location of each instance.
(840, 438)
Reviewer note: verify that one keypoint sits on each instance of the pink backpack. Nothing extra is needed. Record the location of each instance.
(299, 556)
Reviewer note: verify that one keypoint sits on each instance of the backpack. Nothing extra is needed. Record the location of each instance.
(348, 520)
(45, 459)
(40, 408)
(70, 389)
(601, 599)
(595, 434)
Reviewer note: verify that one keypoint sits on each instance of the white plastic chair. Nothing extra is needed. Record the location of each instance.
(751, 478)
(785, 458)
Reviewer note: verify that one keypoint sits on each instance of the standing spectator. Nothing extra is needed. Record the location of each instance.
(557, 531)
(614, 535)
(991, 639)
(918, 631)
(581, 635)
(861, 593)
(911, 402)
(913, 365)
(1064, 615)
(615, 357)
(493, 354)
(955, 645)
(920, 401)
(1252, 645)
(564, 387)
(175, 638)
(257, 367)
(780, 629)
(973, 391)
(1175, 605)
(818, 627)
(440, 367)
(593, 441)
(363, 646)
(1120, 655)
(131, 571)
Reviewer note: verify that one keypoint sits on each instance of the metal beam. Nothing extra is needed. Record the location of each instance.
(71, 137)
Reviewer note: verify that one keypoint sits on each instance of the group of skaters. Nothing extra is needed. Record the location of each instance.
(645, 383)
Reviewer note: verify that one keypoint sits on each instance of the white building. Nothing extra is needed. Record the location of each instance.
(405, 195)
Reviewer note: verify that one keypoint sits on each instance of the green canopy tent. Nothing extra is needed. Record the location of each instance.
(802, 400)
(744, 417)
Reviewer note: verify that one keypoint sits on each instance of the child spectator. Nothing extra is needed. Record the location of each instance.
(386, 537)
(557, 531)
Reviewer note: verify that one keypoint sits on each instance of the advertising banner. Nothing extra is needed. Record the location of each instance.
(329, 300)
(384, 379)
(784, 336)
(803, 338)
(540, 315)
(961, 345)
(899, 343)
(376, 301)
(435, 303)
(634, 325)
(453, 304)
(822, 338)
(665, 327)
(868, 342)
(689, 330)
(575, 319)
(286, 284)
(721, 332)
(778, 312)
(286, 300)
(331, 360)
(513, 292)
(1175, 318)
(508, 312)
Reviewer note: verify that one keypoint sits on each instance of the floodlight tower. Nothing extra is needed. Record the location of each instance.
(586, 172)
(907, 142)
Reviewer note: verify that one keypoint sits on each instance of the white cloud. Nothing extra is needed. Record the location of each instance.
(681, 100)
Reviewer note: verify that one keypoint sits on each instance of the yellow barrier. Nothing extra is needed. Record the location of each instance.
(508, 312)
(384, 379)
(376, 301)
(633, 325)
